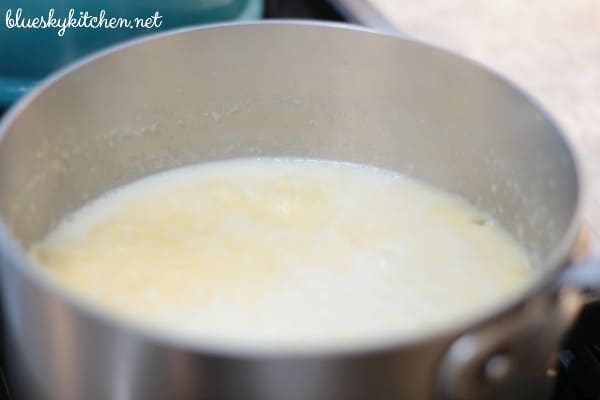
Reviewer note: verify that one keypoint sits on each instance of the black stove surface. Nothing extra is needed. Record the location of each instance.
(303, 9)
(579, 360)
(578, 367)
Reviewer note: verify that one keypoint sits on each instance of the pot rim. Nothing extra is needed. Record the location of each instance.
(555, 262)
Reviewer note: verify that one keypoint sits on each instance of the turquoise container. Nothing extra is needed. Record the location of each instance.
(27, 55)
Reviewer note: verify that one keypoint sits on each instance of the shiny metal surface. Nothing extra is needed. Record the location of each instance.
(272, 89)
(503, 359)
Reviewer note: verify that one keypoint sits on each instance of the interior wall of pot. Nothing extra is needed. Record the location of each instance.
(285, 90)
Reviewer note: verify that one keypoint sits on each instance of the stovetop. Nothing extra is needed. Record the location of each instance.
(578, 367)
(579, 361)
(303, 9)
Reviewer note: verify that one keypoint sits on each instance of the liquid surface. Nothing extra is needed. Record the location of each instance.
(285, 253)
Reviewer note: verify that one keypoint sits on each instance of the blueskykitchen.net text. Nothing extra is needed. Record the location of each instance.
(16, 19)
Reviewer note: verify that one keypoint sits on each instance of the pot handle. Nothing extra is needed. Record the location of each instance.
(584, 272)
(584, 275)
(508, 357)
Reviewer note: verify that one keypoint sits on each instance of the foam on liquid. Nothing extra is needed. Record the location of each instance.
(285, 253)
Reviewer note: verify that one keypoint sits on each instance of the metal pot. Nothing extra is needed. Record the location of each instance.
(283, 89)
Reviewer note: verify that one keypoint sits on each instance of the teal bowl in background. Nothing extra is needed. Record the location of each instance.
(27, 55)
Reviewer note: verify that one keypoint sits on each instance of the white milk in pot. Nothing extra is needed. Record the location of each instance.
(285, 253)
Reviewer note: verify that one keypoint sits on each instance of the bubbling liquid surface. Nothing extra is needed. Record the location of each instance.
(285, 253)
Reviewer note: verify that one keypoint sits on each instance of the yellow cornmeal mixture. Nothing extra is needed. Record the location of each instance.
(285, 253)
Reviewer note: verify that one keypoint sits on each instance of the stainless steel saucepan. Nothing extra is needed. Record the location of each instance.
(284, 89)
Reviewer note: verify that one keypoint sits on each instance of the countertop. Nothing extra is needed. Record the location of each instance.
(549, 47)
